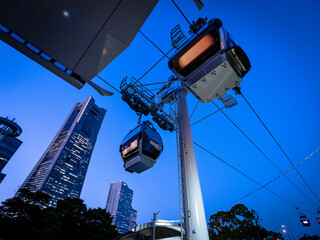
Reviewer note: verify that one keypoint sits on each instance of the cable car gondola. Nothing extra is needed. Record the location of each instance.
(210, 63)
(304, 220)
(141, 148)
(318, 220)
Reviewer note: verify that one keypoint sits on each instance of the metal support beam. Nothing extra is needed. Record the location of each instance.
(195, 224)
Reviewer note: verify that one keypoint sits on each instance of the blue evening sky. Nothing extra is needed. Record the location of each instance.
(281, 39)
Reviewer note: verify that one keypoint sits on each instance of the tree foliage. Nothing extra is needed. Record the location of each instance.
(23, 218)
(307, 237)
(238, 223)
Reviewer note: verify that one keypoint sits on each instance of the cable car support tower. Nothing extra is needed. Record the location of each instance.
(208, 64)
(141, 100)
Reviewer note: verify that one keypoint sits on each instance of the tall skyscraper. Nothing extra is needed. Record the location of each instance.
(62, 168)
(9, 143)
(119, 205)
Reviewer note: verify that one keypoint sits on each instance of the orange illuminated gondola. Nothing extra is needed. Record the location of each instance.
(210, 63)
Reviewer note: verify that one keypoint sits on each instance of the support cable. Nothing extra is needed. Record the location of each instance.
(207, 116)
(194, 110)
(181, 12)
(280, 146)
(256, 182)
(259, 149)
(109, 84)
(165, 54)
(138, 80)
(154, 89)
(271, 181)
(148, 84)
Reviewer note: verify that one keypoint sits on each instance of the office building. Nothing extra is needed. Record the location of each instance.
(119, 205)
(62, 168)
(9, 143)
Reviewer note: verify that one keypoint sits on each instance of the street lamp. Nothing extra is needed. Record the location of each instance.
(154, 225)
(285, 231)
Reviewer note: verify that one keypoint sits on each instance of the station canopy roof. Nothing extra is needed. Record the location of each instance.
(74, 39)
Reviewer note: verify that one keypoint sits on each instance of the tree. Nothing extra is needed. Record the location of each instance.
(238, 223)
(307, 237)
(22, 217)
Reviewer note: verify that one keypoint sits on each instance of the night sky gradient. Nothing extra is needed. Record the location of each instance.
(281, 39)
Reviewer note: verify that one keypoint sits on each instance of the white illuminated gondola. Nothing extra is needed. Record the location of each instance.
(304, 220)
(141, 148)
(210, 63)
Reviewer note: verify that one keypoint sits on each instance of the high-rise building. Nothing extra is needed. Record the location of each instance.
(119, 205)
(9, 143)
(62, 168)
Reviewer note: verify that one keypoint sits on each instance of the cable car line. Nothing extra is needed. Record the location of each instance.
(181, 12)
(153, 66)
(278, 144)
(109, 84)
(154, 44)
(234, 168)
(241, 198)
(148, 84)
(207, 116)
(194, 110)
(261, 186)
(154, 89)
(220, 109)
(259, 149)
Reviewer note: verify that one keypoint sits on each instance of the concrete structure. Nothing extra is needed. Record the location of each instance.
(119, 205)
(9, 143)
(73, 39)
(61, 170)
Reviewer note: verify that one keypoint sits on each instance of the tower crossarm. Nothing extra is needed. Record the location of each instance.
(141, 100)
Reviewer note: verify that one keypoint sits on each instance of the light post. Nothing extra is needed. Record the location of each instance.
(285, 231)
(154, 225)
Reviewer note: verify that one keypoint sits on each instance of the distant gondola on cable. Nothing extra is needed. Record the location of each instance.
(141, 148)
(209, 63)
(304, 220)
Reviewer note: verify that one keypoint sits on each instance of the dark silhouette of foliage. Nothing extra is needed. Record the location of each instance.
(307, 237)
(238, 223)
(23, 218)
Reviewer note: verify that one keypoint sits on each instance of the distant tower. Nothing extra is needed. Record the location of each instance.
(61, 170)
(9, 143)
(119, 205)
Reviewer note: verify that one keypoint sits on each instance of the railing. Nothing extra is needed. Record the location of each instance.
(141, 100)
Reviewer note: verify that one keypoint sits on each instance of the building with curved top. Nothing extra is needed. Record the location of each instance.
(9, 143)
(164, 230)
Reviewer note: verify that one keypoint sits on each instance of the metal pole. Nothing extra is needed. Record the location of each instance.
(154, 226)
(195, 224)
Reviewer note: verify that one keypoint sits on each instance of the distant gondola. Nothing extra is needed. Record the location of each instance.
(141, 148)
(210, 63)
(304, 220)
(318, 220)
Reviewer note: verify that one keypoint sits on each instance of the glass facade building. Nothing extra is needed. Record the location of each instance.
(9, 144)
(62, 168)
(119, 205)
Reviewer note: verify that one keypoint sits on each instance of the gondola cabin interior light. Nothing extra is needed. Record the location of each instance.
(196, 50)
